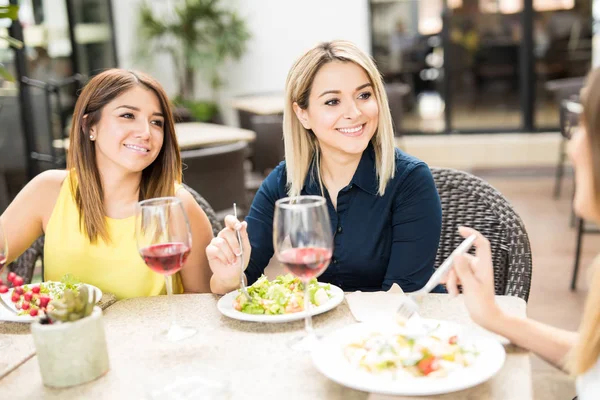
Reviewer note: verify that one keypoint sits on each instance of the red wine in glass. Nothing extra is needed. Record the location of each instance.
(165, 258)
(306, 262)
(303, 242)
(164, 241)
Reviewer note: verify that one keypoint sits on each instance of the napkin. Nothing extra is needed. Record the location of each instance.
(372, 306)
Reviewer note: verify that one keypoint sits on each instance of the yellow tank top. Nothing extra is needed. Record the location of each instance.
(115, 268)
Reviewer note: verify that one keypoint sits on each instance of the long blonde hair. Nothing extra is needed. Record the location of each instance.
(587, 350)
(301, 145)
(157, 179)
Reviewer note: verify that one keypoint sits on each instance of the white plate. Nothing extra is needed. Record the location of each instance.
(328, 357)
(6, 315)
(225, 306)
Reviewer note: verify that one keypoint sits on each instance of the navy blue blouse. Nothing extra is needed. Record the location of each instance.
(378, 240)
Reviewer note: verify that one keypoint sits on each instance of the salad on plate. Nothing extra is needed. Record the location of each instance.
(31, 299)
(283, 295)
(403, 353)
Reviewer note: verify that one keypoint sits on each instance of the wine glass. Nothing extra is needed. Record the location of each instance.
(303, 242)
(164, 241)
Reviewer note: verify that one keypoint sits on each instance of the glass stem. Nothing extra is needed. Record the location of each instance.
(169, 285)
(308, 326)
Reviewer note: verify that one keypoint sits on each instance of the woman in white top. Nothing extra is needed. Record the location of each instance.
(576, 352)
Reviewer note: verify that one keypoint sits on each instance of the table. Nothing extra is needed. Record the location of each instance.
(261, 104)
(253, 358)
(19, 346)
(192, 135)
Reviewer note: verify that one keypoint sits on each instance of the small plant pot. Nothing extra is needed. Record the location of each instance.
(71, 353)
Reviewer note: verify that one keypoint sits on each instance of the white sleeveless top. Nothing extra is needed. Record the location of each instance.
(588, 384)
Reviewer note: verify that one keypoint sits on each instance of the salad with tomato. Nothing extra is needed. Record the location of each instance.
(31, 299)
(283, 295)
(404, 355)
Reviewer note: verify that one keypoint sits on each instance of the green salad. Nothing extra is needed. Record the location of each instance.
(283, 295)
(29, 299)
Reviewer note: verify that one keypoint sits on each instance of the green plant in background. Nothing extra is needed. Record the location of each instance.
(199, 36)
(9, 12)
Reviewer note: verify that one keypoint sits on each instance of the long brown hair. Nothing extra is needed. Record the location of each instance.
(587, 350)
(158, 179)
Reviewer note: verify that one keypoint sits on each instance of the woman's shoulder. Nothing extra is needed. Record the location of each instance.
(49, 181)
(186, 197)
(406, 164)
(47, 186)
(276, 181)
(404, 159)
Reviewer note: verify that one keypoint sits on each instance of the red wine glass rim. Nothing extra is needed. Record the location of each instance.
(306, 202)
(160, 202)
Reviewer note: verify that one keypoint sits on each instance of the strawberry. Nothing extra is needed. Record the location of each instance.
(27, 296)
(11, 277)
(3, 288)
(18, 281)
(15, 297)
(25, 305)
(33, 312)
(35, 289)
(18, 290)
(44, 300)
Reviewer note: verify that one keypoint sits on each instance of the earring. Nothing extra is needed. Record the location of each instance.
(91, 137)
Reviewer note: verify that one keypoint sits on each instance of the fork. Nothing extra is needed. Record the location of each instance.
(242, 274)
(409, 306)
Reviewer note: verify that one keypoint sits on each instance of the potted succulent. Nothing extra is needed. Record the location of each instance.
(70, 341)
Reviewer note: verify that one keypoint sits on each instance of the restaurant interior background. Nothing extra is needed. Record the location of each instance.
(466, 66)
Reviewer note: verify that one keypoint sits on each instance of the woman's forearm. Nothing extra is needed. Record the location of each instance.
(548, 342)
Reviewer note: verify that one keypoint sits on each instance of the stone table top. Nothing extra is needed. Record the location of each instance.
(252, 359)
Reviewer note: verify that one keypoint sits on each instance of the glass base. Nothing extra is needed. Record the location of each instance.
(304, 343)
(175, 333)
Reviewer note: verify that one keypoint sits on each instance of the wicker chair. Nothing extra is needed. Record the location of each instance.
(210, 213)
(24, 265)
(470, 201)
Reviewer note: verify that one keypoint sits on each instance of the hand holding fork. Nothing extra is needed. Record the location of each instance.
(409, 306)
(228, 254)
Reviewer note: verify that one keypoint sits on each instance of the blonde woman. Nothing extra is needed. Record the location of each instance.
(384, 207)
(123, 149)
(578, 353)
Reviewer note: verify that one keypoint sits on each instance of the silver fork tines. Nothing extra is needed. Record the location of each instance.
(242, 274)
(409, 304)
(408, 307)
